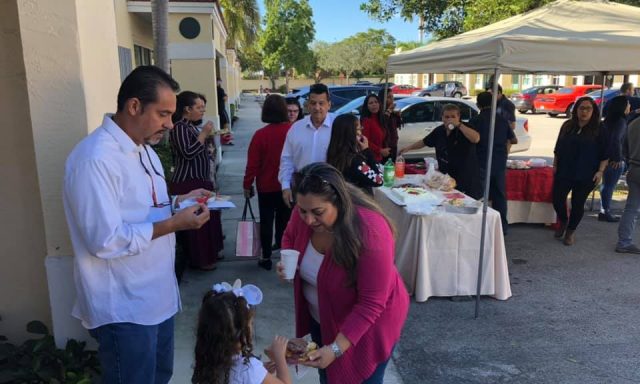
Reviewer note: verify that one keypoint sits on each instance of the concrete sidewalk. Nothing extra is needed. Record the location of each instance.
(275, 315)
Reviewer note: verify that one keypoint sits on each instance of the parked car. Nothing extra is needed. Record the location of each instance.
(340, 95)
(444, 88)
(608, 95)
(421, 115)
(355, 106)
(404, 89)
(562, 101)
(363, 82)
(524, 100)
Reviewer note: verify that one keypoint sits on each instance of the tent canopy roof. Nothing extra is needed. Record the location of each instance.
(573, 37)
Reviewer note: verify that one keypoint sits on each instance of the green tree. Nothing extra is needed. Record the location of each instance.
(242, 19)
(285, 41)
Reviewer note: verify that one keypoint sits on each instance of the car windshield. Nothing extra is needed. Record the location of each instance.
(566, 90)
(530, 90)
(607, 93)
(432, 87)
(354, 104)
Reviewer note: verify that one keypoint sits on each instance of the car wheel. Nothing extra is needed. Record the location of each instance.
(523, 111)
(457, 95)
(568, 111)
(533, 110)
(552, 114)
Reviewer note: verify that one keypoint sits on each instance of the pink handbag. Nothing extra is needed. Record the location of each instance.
(248, 234)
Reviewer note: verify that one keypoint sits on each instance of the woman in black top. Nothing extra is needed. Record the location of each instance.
(579, 161)
(192, 170)
(349, 152)
(615, 129)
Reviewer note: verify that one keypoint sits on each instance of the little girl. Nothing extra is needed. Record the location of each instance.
(223, 352)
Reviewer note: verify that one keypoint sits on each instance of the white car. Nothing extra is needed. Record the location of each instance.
(421, 115)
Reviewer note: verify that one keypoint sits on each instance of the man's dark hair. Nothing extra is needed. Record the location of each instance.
(484, 100)
(274, 110)
(490, 88)
(143, 83)
(624, 88)
(319, 89)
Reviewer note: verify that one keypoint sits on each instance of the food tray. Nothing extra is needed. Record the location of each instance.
(464, 209)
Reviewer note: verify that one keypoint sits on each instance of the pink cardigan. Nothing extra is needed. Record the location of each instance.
(370, 315)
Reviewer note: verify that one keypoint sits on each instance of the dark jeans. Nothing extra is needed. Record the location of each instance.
(134, 353)
(579, 192)
(272, 207)
(609, 180)
(498, 194)
(376, 378)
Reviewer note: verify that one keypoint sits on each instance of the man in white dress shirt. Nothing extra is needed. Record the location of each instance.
(121, 226)
(307, 140)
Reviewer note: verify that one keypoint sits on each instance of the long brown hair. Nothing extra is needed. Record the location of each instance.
(224, 323)
(326, 182)
(343, 146)
(591, 129)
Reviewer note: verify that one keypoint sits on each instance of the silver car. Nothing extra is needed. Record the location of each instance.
(421, 115)
(444, 88)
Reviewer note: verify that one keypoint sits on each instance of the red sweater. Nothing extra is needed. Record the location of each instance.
(373, 131)
(370, 315)
(263, 159)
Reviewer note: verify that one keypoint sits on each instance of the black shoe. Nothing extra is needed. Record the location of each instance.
(265, 264)
(275, 247)
(628, 249)
(608, 217)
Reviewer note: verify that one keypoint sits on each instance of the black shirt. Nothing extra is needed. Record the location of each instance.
(506, 109)
(456, 157)
(578, 155)
(502, 134)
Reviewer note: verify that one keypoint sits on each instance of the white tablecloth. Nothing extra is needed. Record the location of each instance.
(530, 212)
(437, 255)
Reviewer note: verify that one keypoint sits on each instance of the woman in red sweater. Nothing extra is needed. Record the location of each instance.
(348, 293)
(262, 166)
(372, 127)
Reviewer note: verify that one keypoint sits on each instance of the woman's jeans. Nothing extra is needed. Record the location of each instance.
(579, 192)
(376, 378)
(630, 215)
(609, 181)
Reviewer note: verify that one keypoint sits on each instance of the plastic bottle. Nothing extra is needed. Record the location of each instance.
(399, 166)
(388, 174)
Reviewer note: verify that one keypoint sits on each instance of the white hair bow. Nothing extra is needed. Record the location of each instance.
(251, 293)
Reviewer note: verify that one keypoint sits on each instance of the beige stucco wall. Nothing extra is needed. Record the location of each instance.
(197, 76)
(132, 28)
(204, 20)
(62, 76)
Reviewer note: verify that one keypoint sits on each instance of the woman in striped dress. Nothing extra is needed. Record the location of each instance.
(192, 170)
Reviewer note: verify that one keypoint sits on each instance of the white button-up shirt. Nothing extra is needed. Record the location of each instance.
(305, 144)
(120, 273)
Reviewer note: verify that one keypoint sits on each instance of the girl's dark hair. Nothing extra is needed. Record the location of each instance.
(593, 126)
(224, 323)
(274, 110)
(295, 101)
(143, 83)
(343, 146)
(365, 108)
(617, 107)
(326, 182)
(184, 99)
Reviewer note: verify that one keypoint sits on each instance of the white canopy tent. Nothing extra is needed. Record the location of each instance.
(572, 37)
(564, 37)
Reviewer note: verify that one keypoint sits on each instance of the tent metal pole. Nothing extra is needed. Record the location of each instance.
(384, 102)
(485, 197)
(604, 82)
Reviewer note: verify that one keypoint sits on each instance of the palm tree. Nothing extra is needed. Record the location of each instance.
(160, 26)
(242, 19)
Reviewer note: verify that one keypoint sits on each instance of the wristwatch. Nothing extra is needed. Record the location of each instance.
(336, 350)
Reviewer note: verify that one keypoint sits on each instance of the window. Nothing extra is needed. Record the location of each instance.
(466, 112)
(350, 94)
(419, 113)
(124, 59)
(515, 81)
(142, 55)
(527, 81)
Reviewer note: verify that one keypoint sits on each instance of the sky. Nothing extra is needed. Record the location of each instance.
(337, 19)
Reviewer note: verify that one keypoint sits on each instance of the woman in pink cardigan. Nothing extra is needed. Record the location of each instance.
(348, 293)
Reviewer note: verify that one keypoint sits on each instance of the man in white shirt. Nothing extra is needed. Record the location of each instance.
(119, 217)
(307, 140)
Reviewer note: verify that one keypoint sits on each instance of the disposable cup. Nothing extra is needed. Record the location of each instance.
(289, 258)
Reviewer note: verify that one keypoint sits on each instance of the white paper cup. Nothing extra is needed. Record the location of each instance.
(289, 258)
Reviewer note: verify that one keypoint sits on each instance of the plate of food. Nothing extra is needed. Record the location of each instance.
(463, 206)
(298, 350)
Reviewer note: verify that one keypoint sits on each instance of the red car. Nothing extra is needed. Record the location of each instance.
(562, 101)
(403, 89)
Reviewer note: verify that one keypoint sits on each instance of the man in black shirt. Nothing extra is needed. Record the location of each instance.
(502, 140)
(455, 144)
(505, 107)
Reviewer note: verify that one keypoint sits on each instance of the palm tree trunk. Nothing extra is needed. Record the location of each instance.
(160, 26)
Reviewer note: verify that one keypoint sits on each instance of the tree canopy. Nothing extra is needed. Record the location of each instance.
(288, 31)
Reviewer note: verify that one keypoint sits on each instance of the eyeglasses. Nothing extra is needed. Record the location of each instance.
(153, 186)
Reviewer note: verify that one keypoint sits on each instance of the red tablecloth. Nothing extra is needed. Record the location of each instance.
(535, 184)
